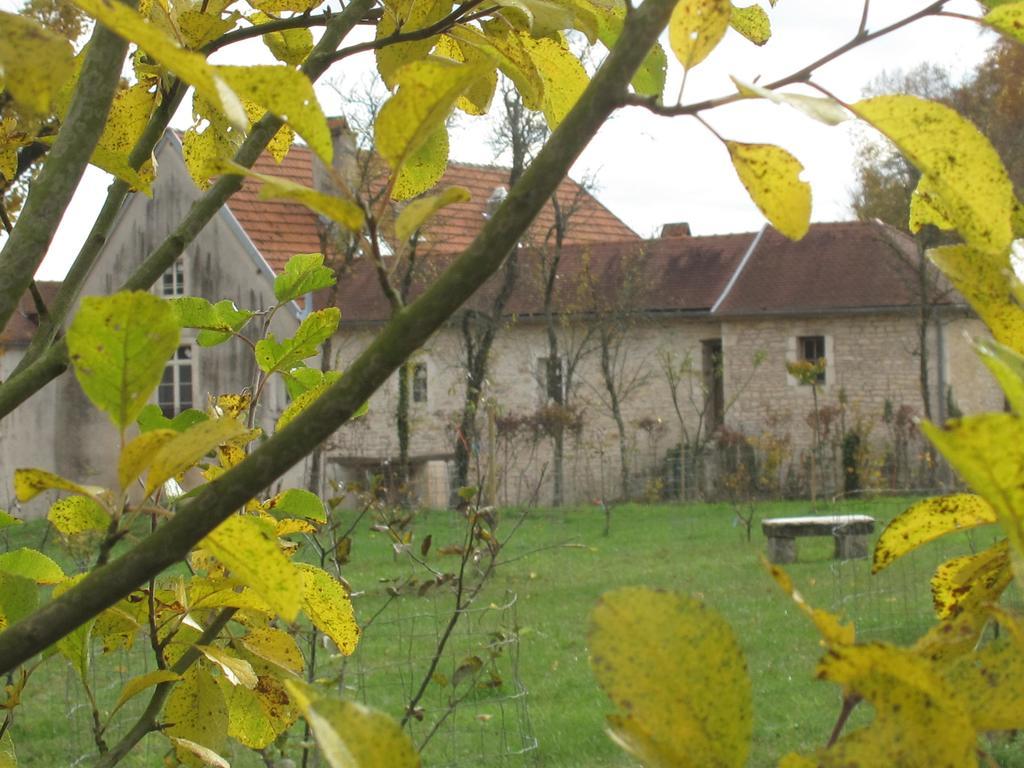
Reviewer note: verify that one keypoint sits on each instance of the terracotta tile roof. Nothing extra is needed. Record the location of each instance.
(836, 267)
(280, 229)
(22, 326)
(666, 275)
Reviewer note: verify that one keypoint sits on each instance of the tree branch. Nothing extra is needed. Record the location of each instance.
(403, 334)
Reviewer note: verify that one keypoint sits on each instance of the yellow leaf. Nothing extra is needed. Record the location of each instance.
(919, 719)
(1008, 20)
(32, 565)
(406, 17)
(987, 284)
(279, 146)
(696, 27)
(138, 684)
(35, 62)
(990, 682)
(290, 525)
(221, 593)
(772, 178)
(972, 582)
(236, 671)
(427, 92)
(196, 712)
(952, 637)
(477, 98)
(751, 22)
(248, 720)
(248, 547)
(197, 28)
(206, 755)
(8, 757)
(928, 520)
(282, 6)
(423, 168)
(77, 514)
(824, 110)
(290, 46)
(418, 211)
(206, 151)
(327, 604)
(964, 172)
(563, 75)
(185, 449)
(676, 673)
(345, 212)
(287, 93)
(190, 67)
(29, 483)
(925, 208)
(988, 452)
(275, 646)
(351, 735)
(505, 48)
(833, 632)
(138, 454)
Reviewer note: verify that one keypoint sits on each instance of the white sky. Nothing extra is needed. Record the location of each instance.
(651, 170)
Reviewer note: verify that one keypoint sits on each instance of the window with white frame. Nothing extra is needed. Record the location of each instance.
(419, 383)
(551, 375)
(174, 394)
(173, 283)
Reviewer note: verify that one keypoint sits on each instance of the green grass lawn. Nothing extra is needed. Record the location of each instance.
(557, 565)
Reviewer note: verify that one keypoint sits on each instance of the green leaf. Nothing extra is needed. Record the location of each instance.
(29, 483)
(32, 565)
(564, 77)
(928, 520)
(696, 27)
(304, 273)
(675, 671)
(137, 685)
(351, 735)
(8, 756)
(7, 520)
(298, 502)
(75, 646)
(424, 168)
(35, 62)
(18, 598)
(151, 417)
(307, 398)
(650, 78)
(302, 379)
(987, 284)
(417, 212)
(751, 22)
(772, 178)
(964, 171)
(78, 514)
(327, 604)
(345, 212)
(248, 720)
(1008, 368)
(988, 453)
(190, 67)
(196, 712)
(248, 547)
(822, 109)
(119, 346)
(313, 331)
(217, 322)
(427, 92)
(972, 582)
(183, 450)
(287, 93)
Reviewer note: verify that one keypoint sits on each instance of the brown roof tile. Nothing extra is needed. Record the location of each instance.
(279, 229)
(835, 267)
(23, 323)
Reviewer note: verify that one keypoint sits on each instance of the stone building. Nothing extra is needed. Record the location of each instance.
(725, 313)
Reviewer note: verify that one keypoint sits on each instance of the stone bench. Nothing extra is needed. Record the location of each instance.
(851, 534)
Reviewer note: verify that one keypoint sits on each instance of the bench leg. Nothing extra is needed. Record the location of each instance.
(781, 549)
(851, 546)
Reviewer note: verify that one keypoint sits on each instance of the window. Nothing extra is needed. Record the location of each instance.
(174, 281)
(551, 371)
(714, 382)
(174, 394)
(811, 349)
(419, 383)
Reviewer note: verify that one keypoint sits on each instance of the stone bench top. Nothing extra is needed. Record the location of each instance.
(814, 525)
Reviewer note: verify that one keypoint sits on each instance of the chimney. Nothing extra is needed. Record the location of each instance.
(677, 229)
(344, 141)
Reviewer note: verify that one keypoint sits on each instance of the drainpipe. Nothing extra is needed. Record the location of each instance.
(940, 368)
